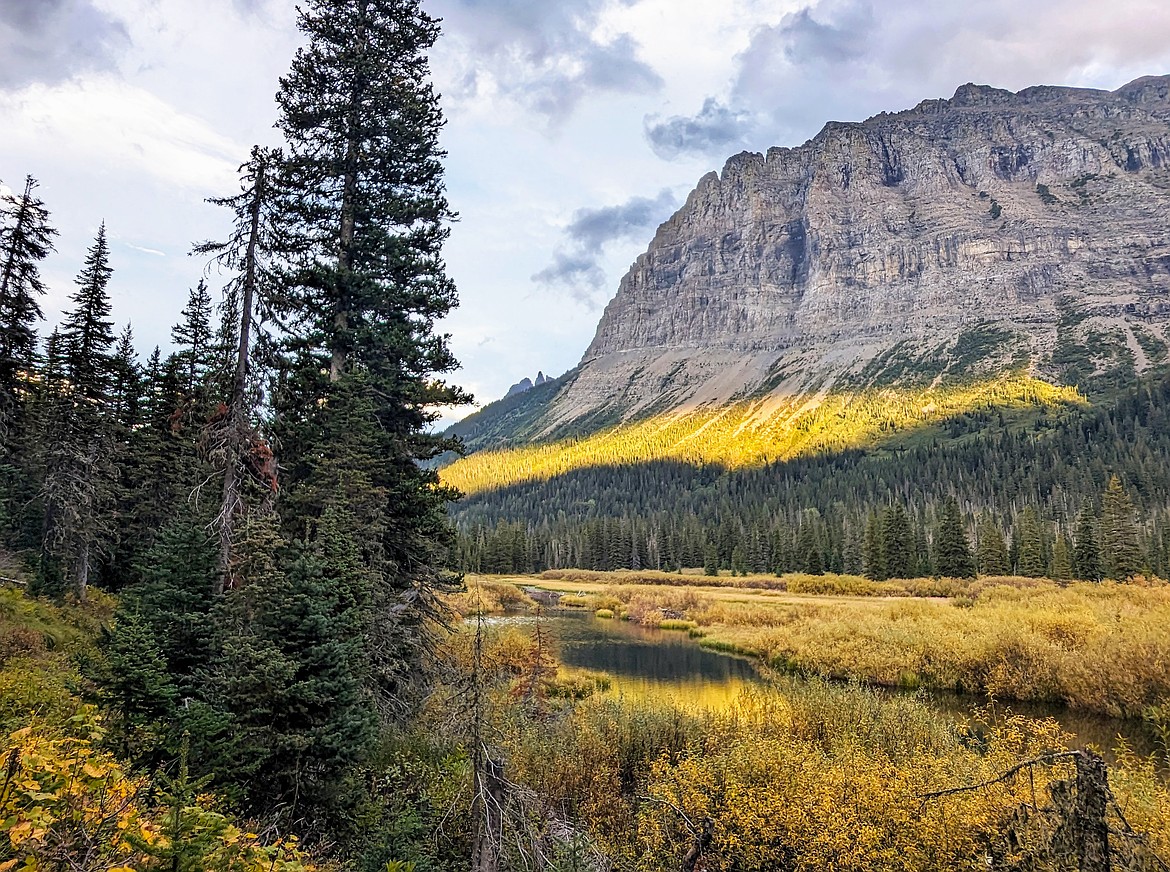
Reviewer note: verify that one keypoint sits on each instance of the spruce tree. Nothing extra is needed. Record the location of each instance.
(26, 238)
(952, 552)
(873, 555)
(898, 543)
(1030, 537)
(366, 218)
(80, 478)
(1087, 551)
(1121, 555)
(992, 550)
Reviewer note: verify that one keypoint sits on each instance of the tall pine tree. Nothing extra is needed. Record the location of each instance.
(26, 238)
(367, 218)
(80, 478)
(1120, 551)
(952, 551)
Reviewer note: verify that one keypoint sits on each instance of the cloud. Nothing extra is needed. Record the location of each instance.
(104, 122)
(51, 40)
(547, 55)
(576, 264)
(717, 129)
(846, 60)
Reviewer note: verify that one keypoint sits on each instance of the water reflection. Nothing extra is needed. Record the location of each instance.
(645, 663)
(648, 663)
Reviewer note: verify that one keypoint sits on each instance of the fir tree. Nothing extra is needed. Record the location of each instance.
(1030, 538)
(898, 543)
(80, 479)
(952, 552)
(1062, 558)
(873, 555)
(87, 333)
(1121, 555)
(193, 338)
(25, 240)
(366, 218)
(1087, 551)
(293, 662)
(992, 550)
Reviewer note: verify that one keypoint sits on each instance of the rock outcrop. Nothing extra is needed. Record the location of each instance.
(985, 230)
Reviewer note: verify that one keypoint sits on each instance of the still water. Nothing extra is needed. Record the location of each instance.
(667, 664)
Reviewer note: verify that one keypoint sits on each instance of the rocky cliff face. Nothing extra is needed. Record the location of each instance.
(986, 229)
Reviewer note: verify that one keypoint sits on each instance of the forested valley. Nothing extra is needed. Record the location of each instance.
(1071, 492)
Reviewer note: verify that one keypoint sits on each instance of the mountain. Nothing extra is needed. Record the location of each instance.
(979, 251)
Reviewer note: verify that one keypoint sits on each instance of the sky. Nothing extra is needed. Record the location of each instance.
(573, 128)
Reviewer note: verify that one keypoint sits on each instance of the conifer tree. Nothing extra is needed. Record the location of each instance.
(193, 338)
(992, 550)
(1030, 537)
(873, 555)
(952, 551)
(1062, 563)
(1119, 536)
(80, 478)
(1087, 551)
(366, 218)
(248, 253)
(898, 542)
(26, 238)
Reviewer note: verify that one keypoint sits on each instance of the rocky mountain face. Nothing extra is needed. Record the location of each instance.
(527, 384)
(988, 230)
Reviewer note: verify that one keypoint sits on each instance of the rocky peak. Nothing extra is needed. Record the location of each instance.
(1039, 215)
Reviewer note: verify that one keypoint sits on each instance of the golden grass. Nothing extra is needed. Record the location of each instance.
(487, 596)
(753, 433)
(1103, 647)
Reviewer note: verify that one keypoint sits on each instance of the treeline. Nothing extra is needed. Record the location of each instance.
(259, 497)
(1041, 491)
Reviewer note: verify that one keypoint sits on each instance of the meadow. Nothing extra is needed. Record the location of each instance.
(800, 774)
(1102, 648)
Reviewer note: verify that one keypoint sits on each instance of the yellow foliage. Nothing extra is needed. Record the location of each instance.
(66, 804)
(753, 433)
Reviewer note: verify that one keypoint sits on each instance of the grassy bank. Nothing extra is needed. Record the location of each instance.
(1103, 648)
(802, 776)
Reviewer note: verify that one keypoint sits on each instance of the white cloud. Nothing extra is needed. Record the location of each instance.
(110, 124)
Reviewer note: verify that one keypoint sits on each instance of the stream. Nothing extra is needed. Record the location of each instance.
(664, 664)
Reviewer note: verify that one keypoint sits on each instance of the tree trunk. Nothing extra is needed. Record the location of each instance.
(487, 809)
(236, 417)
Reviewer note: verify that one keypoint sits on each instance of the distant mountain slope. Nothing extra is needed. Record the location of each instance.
(967, 241)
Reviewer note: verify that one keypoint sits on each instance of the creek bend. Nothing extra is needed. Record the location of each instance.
(669, 666)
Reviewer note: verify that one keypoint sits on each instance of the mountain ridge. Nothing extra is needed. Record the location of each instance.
(952, 242)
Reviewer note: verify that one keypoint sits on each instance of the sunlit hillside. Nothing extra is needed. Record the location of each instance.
(755, 432)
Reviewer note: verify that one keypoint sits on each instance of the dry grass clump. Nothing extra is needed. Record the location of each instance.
(841, 585)
(663, 579)
(1102, 648)
(485, 596)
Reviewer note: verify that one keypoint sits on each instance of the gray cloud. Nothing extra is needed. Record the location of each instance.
(51, 40)
(543, 52)
(716, 129)
(577, 264)
(845, 60)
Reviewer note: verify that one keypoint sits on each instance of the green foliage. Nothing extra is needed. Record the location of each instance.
(897, 543)
(1119, 545)
(1087, 552)
(952, 551)
(992, 552)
